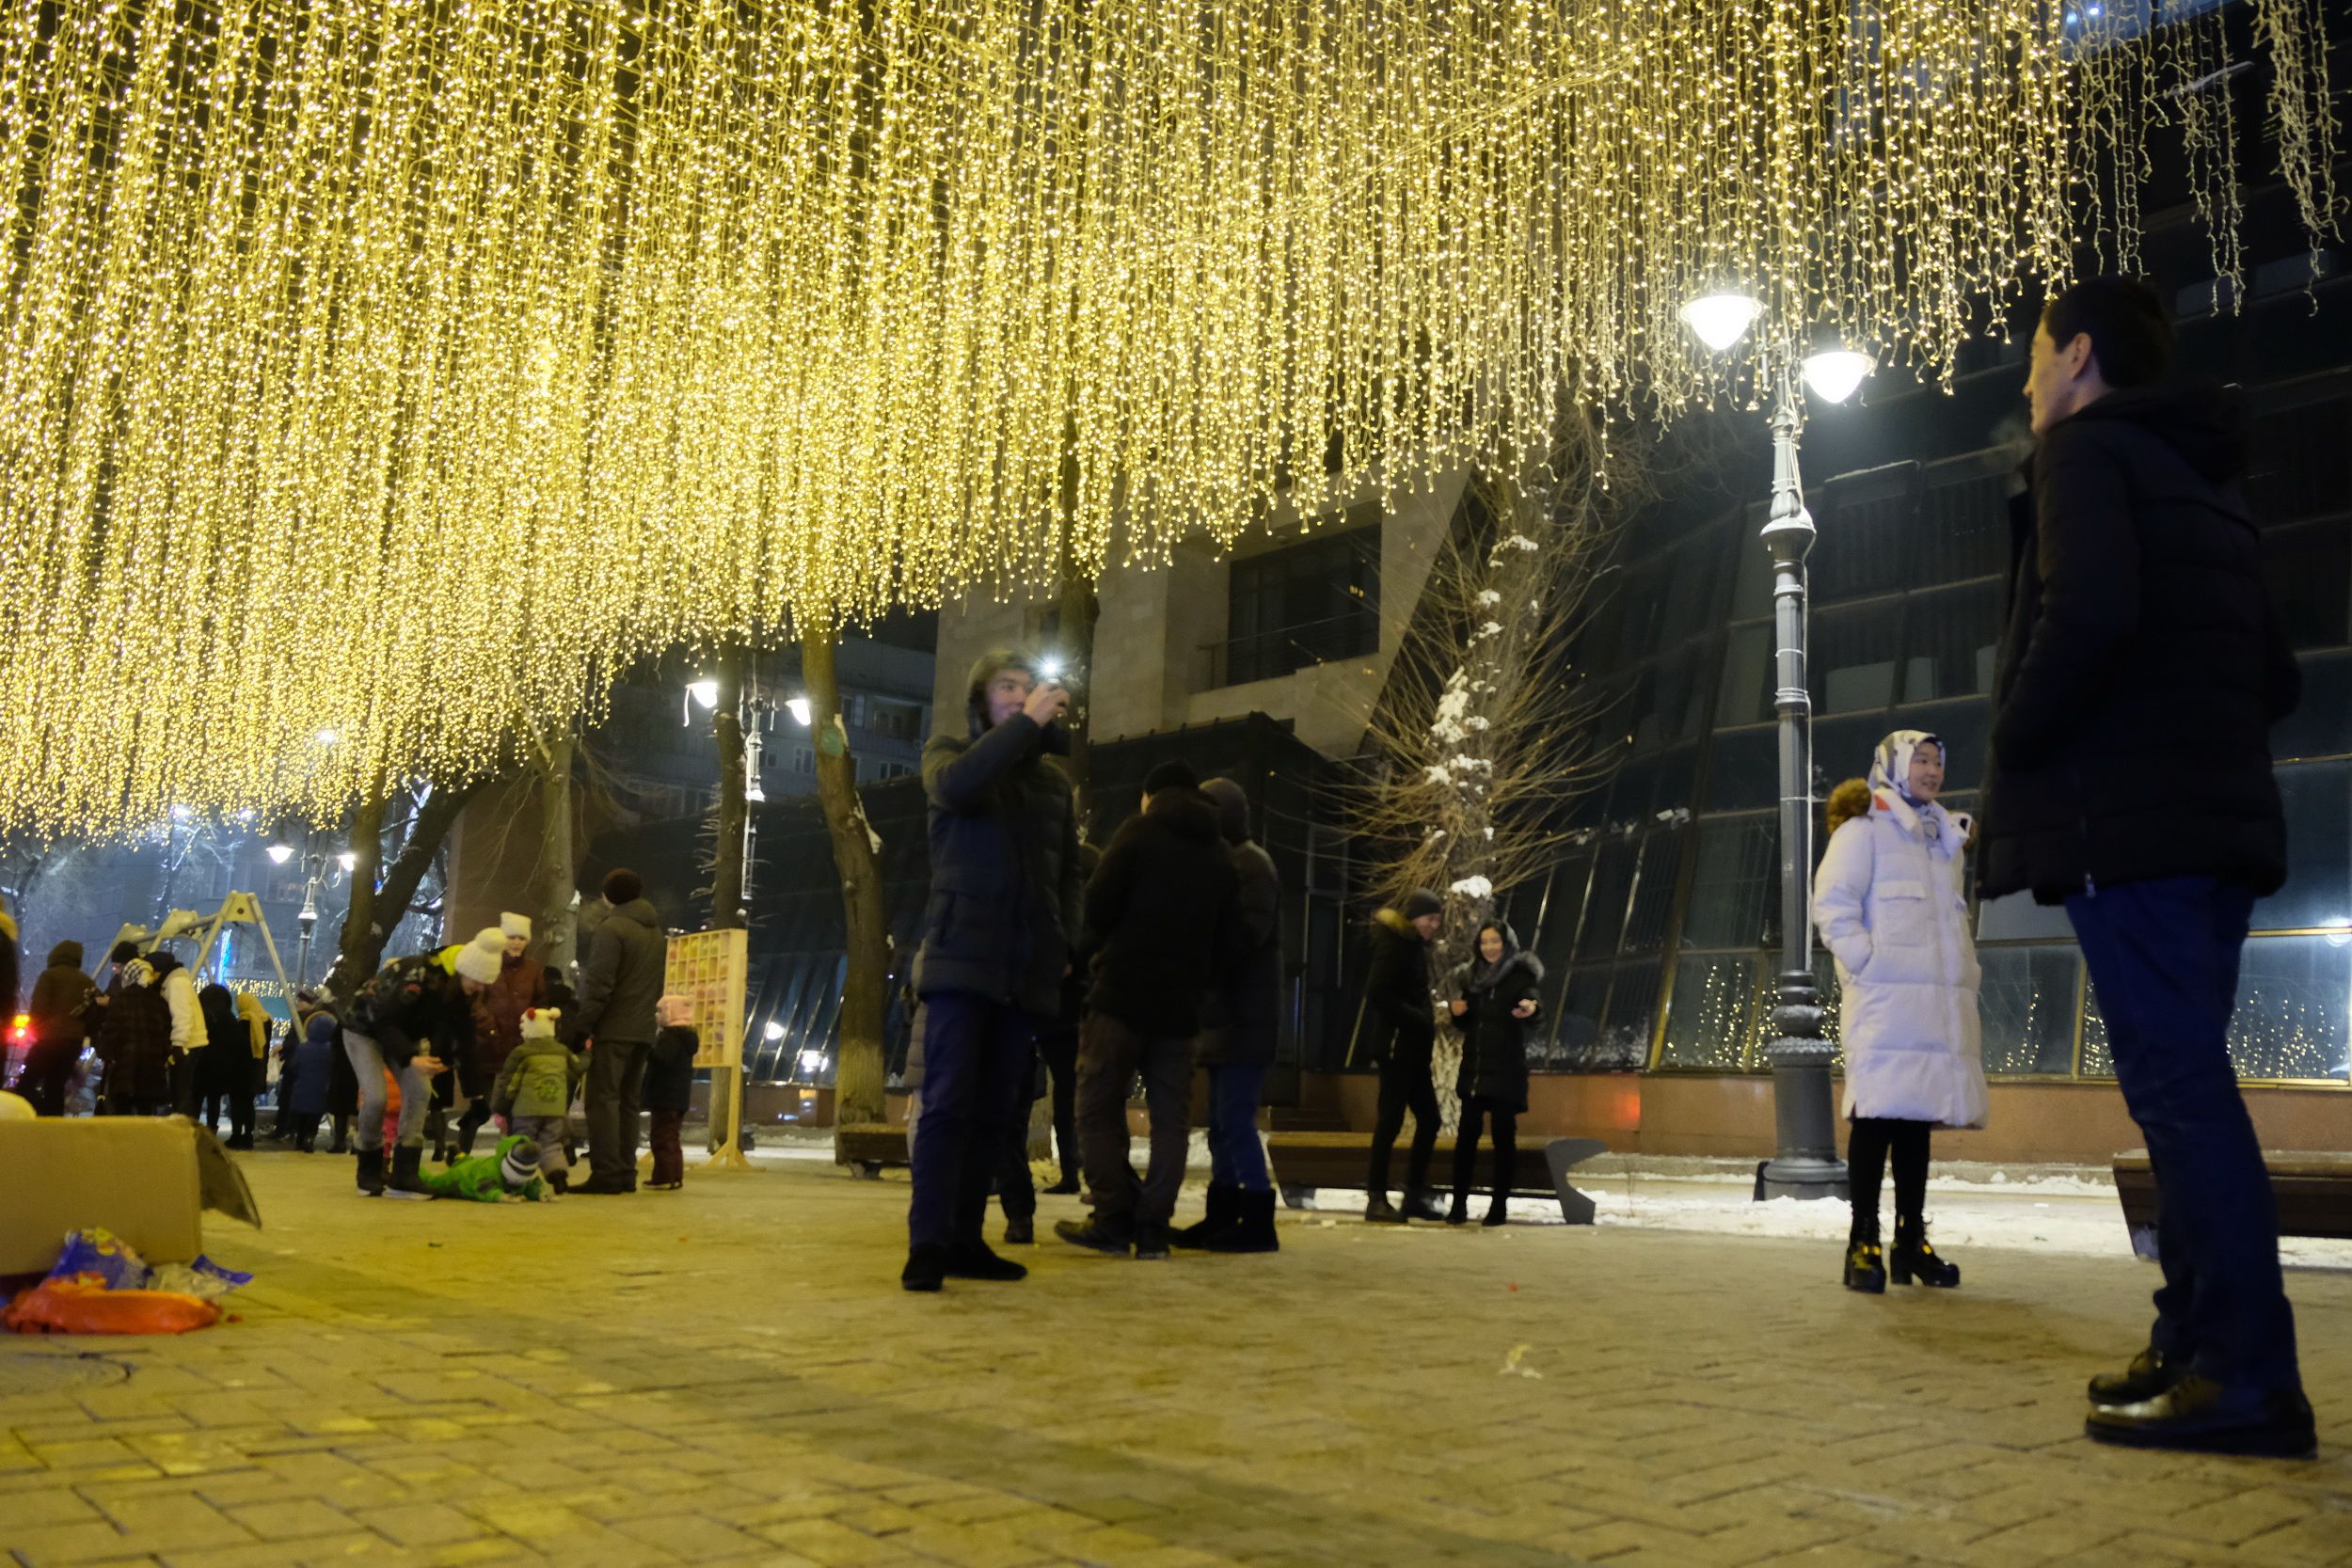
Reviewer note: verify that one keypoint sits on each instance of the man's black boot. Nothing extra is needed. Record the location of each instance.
(1379, 1211)
(1020, 1229)
(2199, 1415)
(371, 1173)
(1421, 1204)
(1151, 1239)
(972, 1259)
(2151, 1373)
(1097, 1235)
(927, 1268)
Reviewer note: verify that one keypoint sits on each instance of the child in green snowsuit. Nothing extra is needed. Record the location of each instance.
(507, 1172)
(534, 1090)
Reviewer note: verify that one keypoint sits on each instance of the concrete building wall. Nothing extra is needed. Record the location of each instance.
(1159, 627)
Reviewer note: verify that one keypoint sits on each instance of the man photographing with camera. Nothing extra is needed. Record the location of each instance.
(996, 932)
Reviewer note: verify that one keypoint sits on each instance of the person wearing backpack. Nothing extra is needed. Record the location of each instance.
(534, 1092)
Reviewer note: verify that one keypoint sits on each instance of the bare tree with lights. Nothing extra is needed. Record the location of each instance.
(1488, 732)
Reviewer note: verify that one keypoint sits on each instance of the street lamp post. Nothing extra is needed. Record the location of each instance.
(1805, 1162)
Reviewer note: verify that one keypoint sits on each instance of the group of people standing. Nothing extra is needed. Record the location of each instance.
(426, 1050)
(487, 1022)
(1155, 955)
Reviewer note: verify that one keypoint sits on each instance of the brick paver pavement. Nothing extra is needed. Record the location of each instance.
(730, 1375)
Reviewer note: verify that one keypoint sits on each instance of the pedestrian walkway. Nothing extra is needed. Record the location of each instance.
(730, 1375)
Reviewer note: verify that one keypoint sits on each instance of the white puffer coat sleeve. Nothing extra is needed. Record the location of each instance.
(1888, 903)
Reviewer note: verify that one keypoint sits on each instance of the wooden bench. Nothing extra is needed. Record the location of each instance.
(2313, 1192)
(869, 1145)
(1305, 1160)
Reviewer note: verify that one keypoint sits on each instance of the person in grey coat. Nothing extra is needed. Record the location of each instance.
(620, 983)
(997, 933)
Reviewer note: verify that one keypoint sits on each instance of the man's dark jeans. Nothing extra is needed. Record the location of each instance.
(616, 1077)
(978, 1061)
(2163, 960)
(1110, 1056)
(1404, 1086)
(1236, 1157)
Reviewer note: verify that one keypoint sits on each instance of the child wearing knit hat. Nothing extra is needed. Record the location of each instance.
(534, 1090)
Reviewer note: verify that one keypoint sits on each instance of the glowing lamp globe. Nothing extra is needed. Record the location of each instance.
(1834, 373)
(1722, 320)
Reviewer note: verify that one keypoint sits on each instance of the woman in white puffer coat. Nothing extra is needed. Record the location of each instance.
(1889, 904)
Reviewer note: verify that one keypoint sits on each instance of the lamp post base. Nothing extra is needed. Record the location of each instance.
(1805, 1120)
(1801, 1177)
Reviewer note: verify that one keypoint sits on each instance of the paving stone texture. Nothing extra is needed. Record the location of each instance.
(730, 1375)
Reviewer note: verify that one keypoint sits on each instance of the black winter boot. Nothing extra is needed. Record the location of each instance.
(1379, 1211)
(1021, 1231)
(466, 1131)
(1252, 1229)
(1499, 1211)
(1151, 1239)
(371, 1173)
(1459, 1213)
(974, 1260)
(2152, 1372)
(1096, 1234)
(405, 1180)
(1913, 1261)
(1222, 1216)
(1865, 1269)
(927, 1268)
(1421, 1204)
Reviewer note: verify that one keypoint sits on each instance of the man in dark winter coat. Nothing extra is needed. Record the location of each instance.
(1004, 902)
(2130, 777)
(1236, 1045)
(620, 990)
(1400, 1025)
(1164, 916)
(63, 999)
(1056, 1051)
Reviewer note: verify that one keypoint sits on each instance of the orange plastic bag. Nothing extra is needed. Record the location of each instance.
(61, 1307)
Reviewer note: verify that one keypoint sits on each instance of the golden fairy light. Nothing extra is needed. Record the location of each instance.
(400, 366)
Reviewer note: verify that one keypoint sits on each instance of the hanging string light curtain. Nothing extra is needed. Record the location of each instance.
(393, 367)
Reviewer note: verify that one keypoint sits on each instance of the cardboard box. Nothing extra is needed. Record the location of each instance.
(142, 1179)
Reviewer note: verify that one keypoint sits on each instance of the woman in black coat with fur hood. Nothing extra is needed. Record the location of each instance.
(1494, 1001)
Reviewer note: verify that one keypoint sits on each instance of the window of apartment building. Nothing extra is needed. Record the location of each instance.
(1309, 603)
(803, 760)
(892, 720)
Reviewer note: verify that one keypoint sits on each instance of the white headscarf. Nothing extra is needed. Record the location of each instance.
(1890, 781)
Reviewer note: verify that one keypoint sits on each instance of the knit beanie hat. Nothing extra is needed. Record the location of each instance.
(539, 1022)
(480, 959)
(516, 926)
(1170, 774)
(519, 1164)
(1421, 902)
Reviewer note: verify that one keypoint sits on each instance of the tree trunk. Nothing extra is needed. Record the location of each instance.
(858, 1067)
(554, 877)
(384, 907)
(362, 943)
(728, 867)
(1078, 608)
